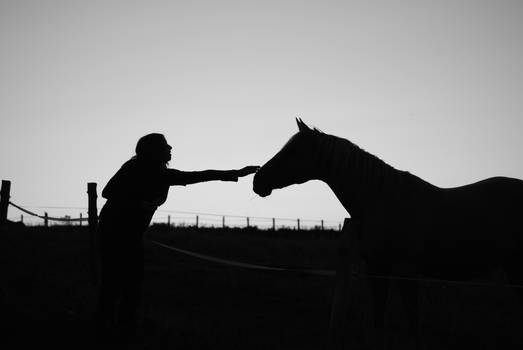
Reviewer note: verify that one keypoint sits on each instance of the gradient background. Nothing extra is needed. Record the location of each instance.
(432, 87)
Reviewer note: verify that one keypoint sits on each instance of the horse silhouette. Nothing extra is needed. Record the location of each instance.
(450, 233)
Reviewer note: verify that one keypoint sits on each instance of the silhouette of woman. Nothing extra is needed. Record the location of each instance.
(133, 194)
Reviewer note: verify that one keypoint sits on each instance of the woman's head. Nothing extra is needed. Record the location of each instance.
(153, 149)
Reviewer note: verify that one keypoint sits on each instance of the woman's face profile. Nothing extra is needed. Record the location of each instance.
(166, 151)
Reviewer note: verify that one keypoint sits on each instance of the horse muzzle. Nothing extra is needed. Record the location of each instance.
(263, 193)
(260, 189)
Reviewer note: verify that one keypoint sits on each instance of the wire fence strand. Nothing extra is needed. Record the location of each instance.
(48, 217)
(188, 218)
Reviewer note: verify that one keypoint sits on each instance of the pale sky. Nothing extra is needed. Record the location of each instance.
(431, 87)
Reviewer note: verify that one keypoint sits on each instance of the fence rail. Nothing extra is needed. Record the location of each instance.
(169, 217)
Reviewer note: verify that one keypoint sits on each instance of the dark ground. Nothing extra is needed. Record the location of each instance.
(46, 297)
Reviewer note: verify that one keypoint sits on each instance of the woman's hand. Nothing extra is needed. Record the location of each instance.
(248, 170)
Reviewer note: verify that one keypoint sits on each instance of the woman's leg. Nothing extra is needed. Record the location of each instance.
(109, 289)
(131, 288)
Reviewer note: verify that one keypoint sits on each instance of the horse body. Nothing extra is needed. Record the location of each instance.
(449, 233)
(453, 233)
(445, 232)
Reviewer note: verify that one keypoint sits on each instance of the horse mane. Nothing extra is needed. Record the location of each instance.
(355, 160)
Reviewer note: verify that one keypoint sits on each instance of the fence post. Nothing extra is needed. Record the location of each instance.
(223, 221)
(298, 221)
(4, 200)
(46, 220)
(248, 224)
(273, 224)
(196, 221)
(349, 278)
(168, 220)
(92, 210)
(92, 213)
(80, 219)
(322, 225)
(22, 218)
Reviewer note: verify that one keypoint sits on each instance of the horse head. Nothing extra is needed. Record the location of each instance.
(293, 164)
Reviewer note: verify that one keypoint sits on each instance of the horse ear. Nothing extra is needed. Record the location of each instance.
(301, 125)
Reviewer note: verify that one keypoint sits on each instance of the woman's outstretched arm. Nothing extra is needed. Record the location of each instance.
(179, 177)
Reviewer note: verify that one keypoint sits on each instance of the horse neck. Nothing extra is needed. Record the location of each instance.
(360, 180)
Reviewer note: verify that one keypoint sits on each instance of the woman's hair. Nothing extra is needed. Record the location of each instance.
(150, 148)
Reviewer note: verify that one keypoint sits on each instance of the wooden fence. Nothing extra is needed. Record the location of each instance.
(175, 218)
(92, 219)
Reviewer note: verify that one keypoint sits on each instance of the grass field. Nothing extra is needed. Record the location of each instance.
(46, 296)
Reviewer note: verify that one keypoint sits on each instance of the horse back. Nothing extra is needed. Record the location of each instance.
(495, 201)
(476, 224)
